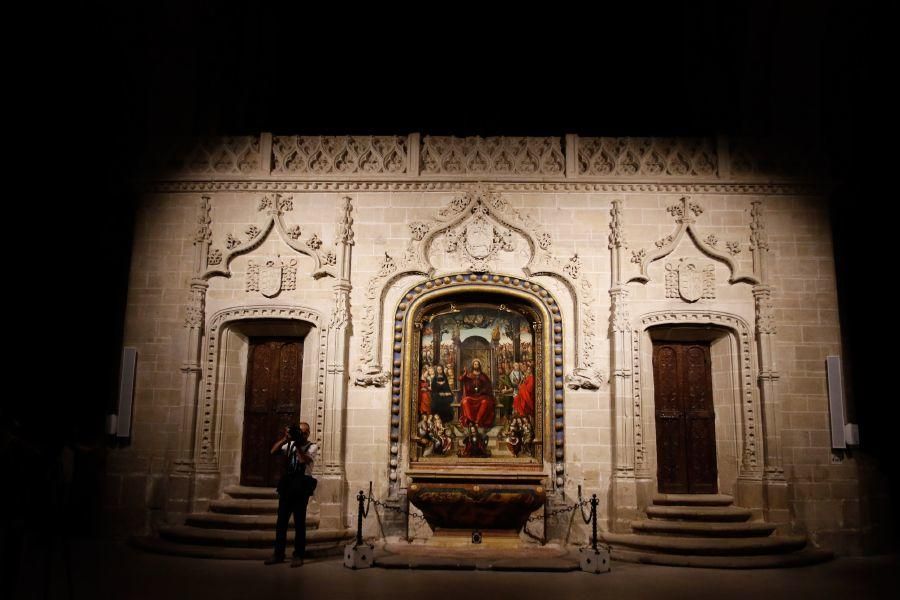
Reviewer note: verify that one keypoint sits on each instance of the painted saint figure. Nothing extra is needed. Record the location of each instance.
(441, 395)
(425, 391)
(477, 405)
(523, 403)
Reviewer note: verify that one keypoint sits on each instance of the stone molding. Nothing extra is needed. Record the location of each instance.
(749, 408)
(518, 185)
(659, 157)
(210, 405)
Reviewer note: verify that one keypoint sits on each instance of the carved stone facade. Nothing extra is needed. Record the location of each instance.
(337, 240)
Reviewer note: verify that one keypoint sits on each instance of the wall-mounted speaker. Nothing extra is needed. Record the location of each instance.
(126, 392)
(842, 433)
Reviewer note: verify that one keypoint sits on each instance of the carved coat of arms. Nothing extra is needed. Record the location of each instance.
(272, 278)
(479, 238)
(690, 280)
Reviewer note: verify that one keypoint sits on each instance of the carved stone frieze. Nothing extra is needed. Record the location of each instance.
(272, 277)
(647, 156)
(319, 155)
(690, 281)
(221, 155)
(494, 155)
(458, 185)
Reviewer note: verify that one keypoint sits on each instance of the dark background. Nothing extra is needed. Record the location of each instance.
(804, 75)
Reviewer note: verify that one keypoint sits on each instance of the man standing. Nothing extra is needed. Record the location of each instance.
(294, 490)
(477, 404)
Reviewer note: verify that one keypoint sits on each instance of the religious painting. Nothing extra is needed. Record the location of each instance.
(477, 395)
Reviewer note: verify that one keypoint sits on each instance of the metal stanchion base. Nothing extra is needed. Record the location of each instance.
(594, 561)
(358, 557)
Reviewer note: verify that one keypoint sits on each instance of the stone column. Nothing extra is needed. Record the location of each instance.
(181, 485)
(331, 468)
(624, 507)
(775, 502)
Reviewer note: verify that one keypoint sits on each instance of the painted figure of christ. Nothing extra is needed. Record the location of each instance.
(477, 405)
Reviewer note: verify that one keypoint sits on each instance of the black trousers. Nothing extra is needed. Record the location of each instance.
(291, 503)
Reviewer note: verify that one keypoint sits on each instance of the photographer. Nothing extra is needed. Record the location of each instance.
(294, 490)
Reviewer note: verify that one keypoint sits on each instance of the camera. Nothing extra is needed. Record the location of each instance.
(294, 432)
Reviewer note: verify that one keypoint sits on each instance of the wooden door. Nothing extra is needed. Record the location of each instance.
(685, 419)
(271, 402)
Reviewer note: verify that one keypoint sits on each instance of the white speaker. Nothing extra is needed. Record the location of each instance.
(126, 392)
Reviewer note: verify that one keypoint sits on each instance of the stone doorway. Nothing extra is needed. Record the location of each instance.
(272, 402)
(685, 417)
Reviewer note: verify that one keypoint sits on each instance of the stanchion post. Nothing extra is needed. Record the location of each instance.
(360, 555)
(593, 559)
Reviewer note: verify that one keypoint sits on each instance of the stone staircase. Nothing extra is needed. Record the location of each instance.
(707, 530)
(240, 526)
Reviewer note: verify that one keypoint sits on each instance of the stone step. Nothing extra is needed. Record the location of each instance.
(807, 556)
(210, 520)
(161, 546)
(720, 514)
(244, 491)
(200, 536)
(666, 544)
(703, 528)
(693, 500)
(244, 506)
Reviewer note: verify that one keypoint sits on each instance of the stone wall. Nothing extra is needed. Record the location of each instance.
(223, 211)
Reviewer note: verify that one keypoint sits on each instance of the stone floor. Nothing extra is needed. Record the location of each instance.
(108, 570)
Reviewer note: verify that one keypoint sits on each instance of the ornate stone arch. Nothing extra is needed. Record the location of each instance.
(479, 204)
(504, 284)
(685, 213)
(749, 409)
(324, 259)
(209, 407)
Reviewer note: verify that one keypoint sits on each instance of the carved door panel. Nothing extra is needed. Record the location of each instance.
(271, 402)
(685, 419)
